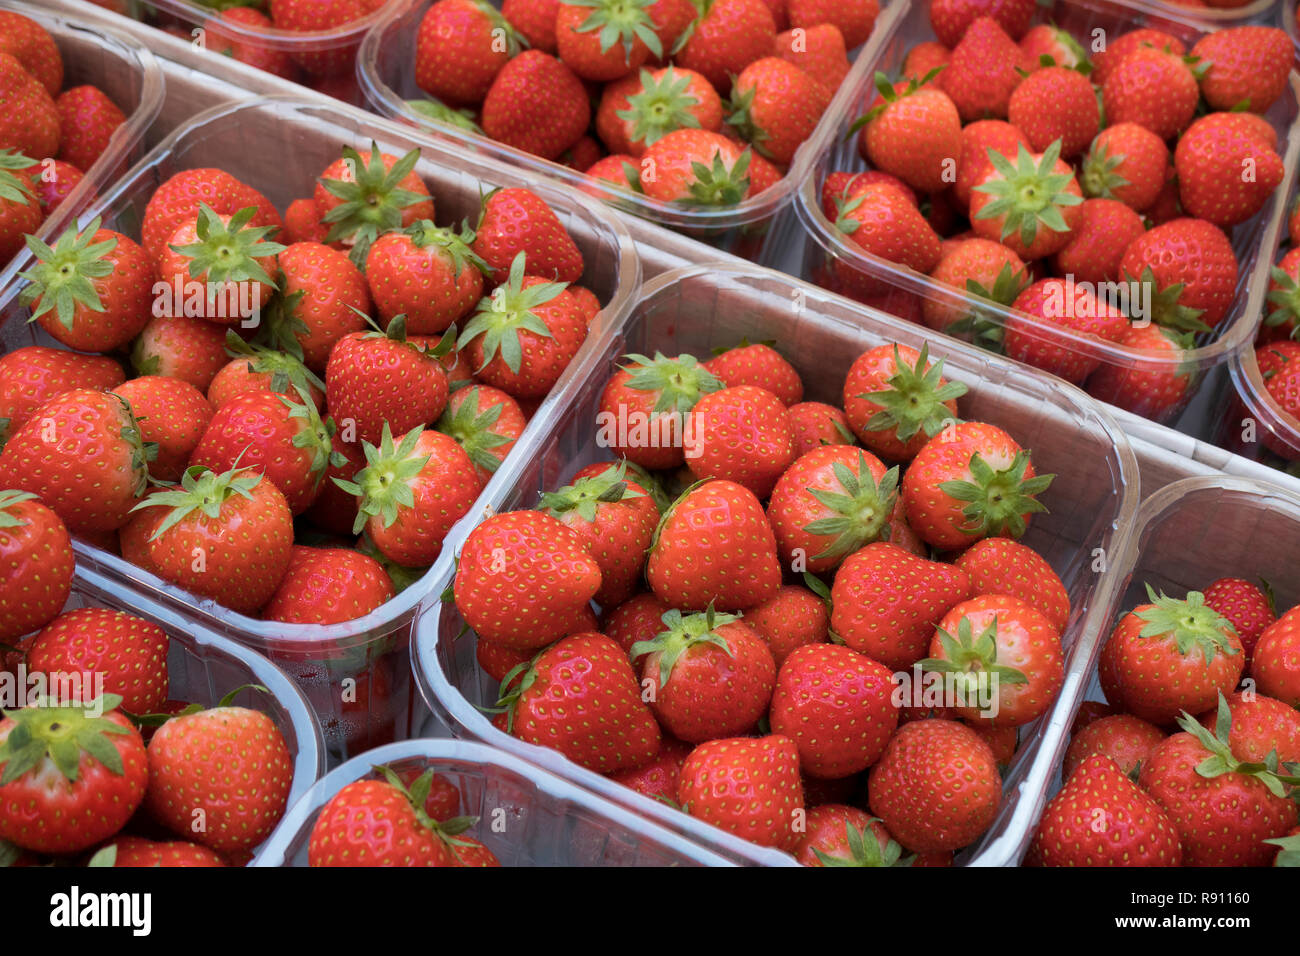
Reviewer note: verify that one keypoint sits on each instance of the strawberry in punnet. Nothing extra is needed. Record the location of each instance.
(706, 676)
(1248, 608)
(33, 46)
(20, 206)
(532, 85)
(1246, 67)
(301, 220)
(427, 273)
(173, 415)
(643, 408)
(580, 696)
(854, 19)
(1125, 739)
(659, 778)
(1170, 656)
(1107, 227)
(878, 218)
(1283, 300)
(697, 167)
(1031, 204)
(227, 537)
(35, 565)
(87, 120)
(1275, 666)
(460, 47)
(885, 602)
(83, 455)
(836, 705)
(972, 483)
(741, 434)
(714, 546)
(1126, 162)
(983, 269)
(603, 40)
(639, 618)
(73, 774)
(776, 106)
(614, 99)
(914, 134)
(1153, 389)
(950, 19)
(977, 139)
(177, 200)
(748, 786)
(1051, 304)
(516, 220)
(1102, 818)
(130, 851)
(1260, 725)
(181, 347)
(535, 21)
(323, 298)
(817, 50)
(759, 365)
(56, 185)
(896, 400)
(221, 38)
(255, 368)
(30, 122)
(502, 563)
(840, 835)
(662, 101)
(791, 618)
(1003, 566)
(1119, 49)
(486, 422)
(1056, 103)
(32, 375)
(816, 424)
(727, 37)
(362, 198)
(1154, 88)
(982, 73)
(329, 16)
(1191, 270)
(1045, 45)
(838, 186)
(936, 787)
(231, 763)
(1210, 159)
(92, 291)
(328, 586)
(1223, 805)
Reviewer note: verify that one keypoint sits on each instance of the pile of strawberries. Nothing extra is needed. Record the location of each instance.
(1195, 758)
(284, 391)
(49, 136)
(1009, 165)
(700, 103)
(751, 664)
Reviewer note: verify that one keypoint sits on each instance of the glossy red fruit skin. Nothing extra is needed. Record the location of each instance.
(657, 779)
(173, 414)
(32, 375)
(328, 586)
(371, 823)
(36, 566)
(34, 47)
(531, 84)
(177, 200)
(332, 287)
(1003, 566)
(544, 357)
(1245, 606)
(761, 366)
(456, 59)
(825, 831)
(125, 295)
(747, 786)
(139, 852)
(951, 18)
(372, 380)
(791, 618)
(88, 119)
(1276, 664)
(1125, 739)
(730, 36)
(1259, 724)
(517, 220)
(740, 434)
(129, 652)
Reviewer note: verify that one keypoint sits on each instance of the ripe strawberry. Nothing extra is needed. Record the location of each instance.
(896, 400)
(172, 414)
(1153, 88)
(1155, 389)
(1210, 161)
(978, 268)
(603, 40)
(531, 85)
(1248, 609)
(1170, 656)
(982, 74)
(1283, 300)
(91, 291)
(776, 106)
(885, 602)
(87, 119)
(838, 187)
(301, 220)
(232, 764)
(840, 835)
(535, 21)
(1054, 103)
(361, 198)
(816, 424)
(181, 347)
(328, 586)
(128, 652)
(791, 618)
(1125, 739)
(517, 220)
(71, 778)
(427, 273)
(759, 365)
(923, 61)
(973, 164)
(1191, 270)
(1054, 303)
(36, 565)
(227, 34)
(30, 122)
(818, 50)
(639, 618)
(644, 406)
(671, 18)
(1276, 663)
(460, 47)
(714, 546)
(1260, 725)
(747, 786)
(328, 16)
(325, 297)
(56, 185)
(1106, 229)
(1104, 61)
(255, 368)
(727, 37)
(915, 134)
(659, 778)
(32, 375)
(1003, 566)
(486, 422)
(697, 167)
(936, 787)
(1031, 205)
(1244, 65)
(741, 434)
(1126, 162)
(225, 536)
(178, 199)
(853, 18)
(950, 19)
(1102, 818)
(130, 851)
(880, 220)
(33, 46)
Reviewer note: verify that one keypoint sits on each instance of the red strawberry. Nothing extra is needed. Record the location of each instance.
(1003, 566)
(838, 186)
(1125, 739)
(517, 220)
(915, 134)
(227, 34)
(460, 47)
(173, 415)
(839, 835)
(427, 273)
(741, 434)
(1260, 725)
(531, 85)
(1212, 160)
(1244, 65)
(255, 368)
(30, 122)
(1045, 42)
(659, 778)
(1104, 61)
(1061, 303)
(128, 652)
(1248, 609)
(1031, 205)
(88, 119)
(1054, 103)
(979, 268)
(776, 106)
(328, 586)
(1126, 162)
(1156, 389)
(181, 347)
(880, 220)
(1153, 88)
(924, 59)
(301, 220)
(1191, 270)
(36, 565)
(361, 198)
(55, 183)
(816, 424)
(896, 400)
(34, 47)
(853, 18)
(130, 851)
(982, 74)
(323, 292)
(746, 786)
(1276, 663)
(177, 200)
(486, 422)
(977, 139)
(639, 618)
(728, 36)
(696, 166)
(603, 40)
(535, 21)
(1283, 300)
(791, 618)
(1106, 229)
(759, 365)
(32, 375)
(950, 19)
(818, 50)
(644, 405)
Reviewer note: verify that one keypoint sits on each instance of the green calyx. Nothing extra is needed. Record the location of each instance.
(62, 732)
(682, 633)
(982, 324)
(7, 500)
(384, 485)
(396, 332)
(741, 118)
(371, 200)
(64, 276)
(914, 401)
(1284, 301)
(456, 245)
(651, 483)
(417, 795)
(974, 658)
(501, 316)
(1191, 623)
(281, 325)
(861, 509)
(440, 112)
(865, 849)
(586, 495)
(472, 429)
(1290, 852)
(16, 189)
(142, 452)
(202, 490)
(660, 107)
(1166, 308)
(228, 251)
(998, 500)
(716, 185)
(679, 382)
(1028, 195)
(314, 434)
(889, 95)
(1099, 178)
(513, 686)
(1279, 781)
(620, 21)
(285, 369)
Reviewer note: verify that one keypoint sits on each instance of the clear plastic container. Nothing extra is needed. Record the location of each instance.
(695, 309)
(831, 259)
(528, 817)
(128, 74)
(1187, 534)
(279, 144)
(754, 229)
(203, 667)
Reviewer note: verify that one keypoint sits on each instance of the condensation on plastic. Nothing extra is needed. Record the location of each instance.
(758, 229)
(829, 254)
(203, 667)
(1091, 502)
(128, 74)
(279, 145)
(1187, 535)
(528, 817)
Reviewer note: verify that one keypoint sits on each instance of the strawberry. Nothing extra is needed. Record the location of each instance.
(973, 164)
(1171, 656)
(328, 586)
(56, 185)
(1152, 87)
(1119, 49)
(1054, 103)
(73, 774)
(88, 119)
(896, 400)
(1126, 162)
(1003, 566)
(1125, 739)
(915, 133)
(181, 347)
(486, 422)
(230, 763)
(32, 375)
(255, 368)
(880, 220)
(91, 291)
(1276, 663)
(30, 122)
(1247, 608)
(982, 74)
(413, 493)
(427, 273)
(706, 676)
(982, 466)
(639, 618)
(172, 415)
(644, 405)
(1060, 303)
(840, 835)
(1283, 300)
(950, 19)
(1223, 806)
(1102, 818)
(301, 220)
(325, 297)
(854, 19)
(460, 47)
(1153, 389)
(1044, 42)
(580, 697)
(1210, 161)
(1106, 229)
(697, 167)
(659, 778)
(327, 16)
(535, 21)
(671, 19)
(496, 587)
(177, 200)
(759, 365)
(791, 618)
(1191, 270)
(1245, 65)
(227, 537)
(924, 59)
(361, 198)
(816, 424)
(741, 434)
(662, 101)
(727, 37)
(129, 653)
(36, 564)
(936, 786)
(234, 43)
(83, 455)
(747, 786)
(733, 566)
(130, 851)
(1260, 726)
(536, 84)
(603, 40)
(818, 50)
(983, 269)
(516, 220)
(776, 106)
(33, 46)
(885, 602)
(1031, 205)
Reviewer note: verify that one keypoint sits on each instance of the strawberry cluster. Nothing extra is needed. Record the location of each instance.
(1069, 204)
(758, 666)
(49, 136)
(700, 103)
(1277, 343)
(1195, 758)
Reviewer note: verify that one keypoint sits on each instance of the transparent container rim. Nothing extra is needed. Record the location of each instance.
(1248, 381)
(277, 38)
(1214, 17)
